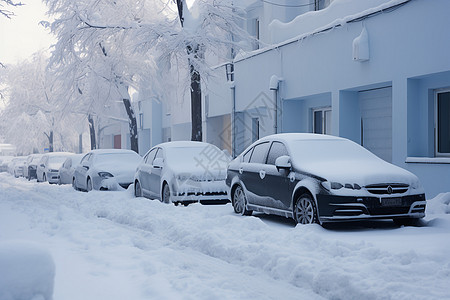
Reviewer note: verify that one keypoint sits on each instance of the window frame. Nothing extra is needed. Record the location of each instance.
(263, 162)
(436, 122)
(323, 111)
(270, 148)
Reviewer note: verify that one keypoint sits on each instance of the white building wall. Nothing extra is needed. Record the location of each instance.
(408, 55)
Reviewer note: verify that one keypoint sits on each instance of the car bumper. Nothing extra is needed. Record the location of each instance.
(203, 191)
(52, 177)
(341, 208)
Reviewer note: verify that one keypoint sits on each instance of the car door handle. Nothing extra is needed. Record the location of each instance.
(262, 174)
(241, 170)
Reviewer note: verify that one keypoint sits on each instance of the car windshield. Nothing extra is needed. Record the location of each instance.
(35, 159)
(313, 151)
(103, 158)
(195, 155)
(57, 159)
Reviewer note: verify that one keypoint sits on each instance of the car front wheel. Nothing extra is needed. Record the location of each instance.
(305, 211)
(74, 185)
(240, 202)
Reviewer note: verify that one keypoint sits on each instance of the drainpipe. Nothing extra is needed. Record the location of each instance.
(274, 85)
(233, 117)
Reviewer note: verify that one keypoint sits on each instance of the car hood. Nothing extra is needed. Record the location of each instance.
(362, 172)
(123, 172)
(54, 166)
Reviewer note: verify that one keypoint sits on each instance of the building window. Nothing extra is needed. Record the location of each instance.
(442, 116)
(322, 120)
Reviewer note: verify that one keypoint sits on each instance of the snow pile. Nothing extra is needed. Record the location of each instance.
(337, 13)
(27, 271)
(439, 205)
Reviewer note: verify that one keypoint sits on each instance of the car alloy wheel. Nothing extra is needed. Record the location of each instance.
(240, 202)
(166, 194)
(137, 189)
(305, 210)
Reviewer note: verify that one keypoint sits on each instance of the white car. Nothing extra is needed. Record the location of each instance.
(183, 172)
(17, 166)
(68, 168)
(106, 169)
(48, 168)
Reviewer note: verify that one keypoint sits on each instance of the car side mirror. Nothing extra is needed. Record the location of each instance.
(42, 165)
(283, 162)
(86, 167)
(158, 163)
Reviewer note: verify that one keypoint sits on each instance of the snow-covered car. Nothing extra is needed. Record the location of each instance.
(68, 167)
(106, 169)
(183, 172)
(31, 166)
(4, 162)
(316, 178)
(49, 164)
(16, 166)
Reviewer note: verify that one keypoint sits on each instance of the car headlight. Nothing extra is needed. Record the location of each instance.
(337, 185)
(105, 175)
(183, 177)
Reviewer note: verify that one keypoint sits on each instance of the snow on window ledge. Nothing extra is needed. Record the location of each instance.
(428, 160)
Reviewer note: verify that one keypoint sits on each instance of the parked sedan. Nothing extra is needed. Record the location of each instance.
(17, 166)
(319, 178)
(183, 172)
(106, 170)
(48, 168)
(68, 168)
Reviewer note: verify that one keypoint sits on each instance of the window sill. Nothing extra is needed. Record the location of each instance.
(428, 160)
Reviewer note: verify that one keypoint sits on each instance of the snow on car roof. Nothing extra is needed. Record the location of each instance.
(288, 137)
(59, 153)
(111, 151)
(182, 144)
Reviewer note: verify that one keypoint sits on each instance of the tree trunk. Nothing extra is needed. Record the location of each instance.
(196, 104)
(132, 124)
(50, 141)
(92, 132)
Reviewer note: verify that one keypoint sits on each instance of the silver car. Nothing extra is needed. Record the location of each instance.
(68, 168)
(48, 168)
(183, 172)
(106, 169)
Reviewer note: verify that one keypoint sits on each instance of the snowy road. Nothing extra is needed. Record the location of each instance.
(110, 245)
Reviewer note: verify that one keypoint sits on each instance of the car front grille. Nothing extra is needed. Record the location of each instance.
(387, 188)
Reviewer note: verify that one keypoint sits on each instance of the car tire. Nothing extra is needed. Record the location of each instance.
(305, 211)
(137, 189)
(89, 185)
(165, 194)
(74, 185)
(240, 202)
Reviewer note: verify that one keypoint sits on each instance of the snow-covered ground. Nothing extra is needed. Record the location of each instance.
(110, 245)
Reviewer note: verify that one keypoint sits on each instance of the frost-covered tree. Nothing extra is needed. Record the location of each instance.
(5, 6)
(31, 119)
(128, 35)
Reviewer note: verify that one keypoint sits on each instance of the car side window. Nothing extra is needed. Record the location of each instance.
(276, 150)
(159, 154)
(150, 156)
(259, 153)
(247, 155)
(85, 159)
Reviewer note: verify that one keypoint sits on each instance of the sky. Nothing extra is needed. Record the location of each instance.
(21, 36)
